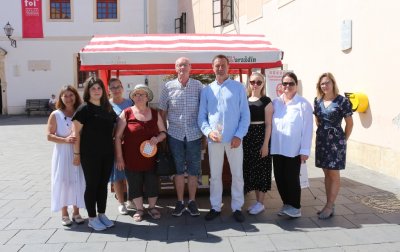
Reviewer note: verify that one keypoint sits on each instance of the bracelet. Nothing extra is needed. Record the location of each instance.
(163, 132)
(77, 153)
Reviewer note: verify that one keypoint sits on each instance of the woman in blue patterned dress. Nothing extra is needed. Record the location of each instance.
(330, 109)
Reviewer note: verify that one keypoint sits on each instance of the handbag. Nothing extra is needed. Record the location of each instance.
(165, 164)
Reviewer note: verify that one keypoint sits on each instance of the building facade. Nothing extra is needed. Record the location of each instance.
(39, 67)
(356, 40)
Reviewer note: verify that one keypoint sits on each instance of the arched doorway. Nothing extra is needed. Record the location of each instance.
(1, 99)
(3, 83)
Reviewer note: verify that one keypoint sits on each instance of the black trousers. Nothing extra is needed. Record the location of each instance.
(287, 178)
(137, 180)
(97, 171)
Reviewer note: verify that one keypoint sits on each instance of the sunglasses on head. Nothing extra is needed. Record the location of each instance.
(291, 84)
(259, 83)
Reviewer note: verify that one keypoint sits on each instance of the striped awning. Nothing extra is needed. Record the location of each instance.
(156, 53)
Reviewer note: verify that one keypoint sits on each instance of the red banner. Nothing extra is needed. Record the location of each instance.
(32, 26)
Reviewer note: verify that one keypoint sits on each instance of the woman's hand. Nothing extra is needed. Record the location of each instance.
(77, 160)
(153, 141)
(303, 158)
(119, 163)
(264, 151)
(70, 139)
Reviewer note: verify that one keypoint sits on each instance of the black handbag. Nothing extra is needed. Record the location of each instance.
(165, 164)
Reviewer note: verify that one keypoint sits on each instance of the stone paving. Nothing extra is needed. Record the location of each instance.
(367, 211)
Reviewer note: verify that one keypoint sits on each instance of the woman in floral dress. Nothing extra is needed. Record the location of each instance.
(330, 109)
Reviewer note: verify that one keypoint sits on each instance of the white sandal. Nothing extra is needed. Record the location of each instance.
(78, 219)
(65, 221)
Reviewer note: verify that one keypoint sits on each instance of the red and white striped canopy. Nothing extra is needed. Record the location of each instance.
(156, 53)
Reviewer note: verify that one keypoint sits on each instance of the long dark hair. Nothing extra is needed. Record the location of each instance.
(90, 82)
(78, 101)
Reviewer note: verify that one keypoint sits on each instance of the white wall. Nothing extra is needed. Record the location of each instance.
(62, 40)
(309, 33)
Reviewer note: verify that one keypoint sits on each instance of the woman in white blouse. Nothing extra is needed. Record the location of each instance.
(292, 127)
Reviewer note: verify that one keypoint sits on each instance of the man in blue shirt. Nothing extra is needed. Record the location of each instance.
(224, 117)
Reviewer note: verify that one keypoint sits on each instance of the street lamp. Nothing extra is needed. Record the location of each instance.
(9, 31)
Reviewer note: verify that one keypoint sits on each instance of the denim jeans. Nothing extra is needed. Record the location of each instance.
(187, 155)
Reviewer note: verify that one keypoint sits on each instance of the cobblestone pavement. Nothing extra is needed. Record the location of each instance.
(367, 211)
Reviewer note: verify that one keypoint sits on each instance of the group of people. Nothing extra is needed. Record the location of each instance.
(100, 140)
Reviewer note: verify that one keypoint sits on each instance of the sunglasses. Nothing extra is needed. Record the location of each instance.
(259, 83)
(290, 84)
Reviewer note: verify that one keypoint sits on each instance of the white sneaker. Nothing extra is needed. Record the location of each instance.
(130, 205)
(106, 221)
(96, 224)
(292, 212)
(122, 209)
(258, 208)
(251, 207)
(281, 212)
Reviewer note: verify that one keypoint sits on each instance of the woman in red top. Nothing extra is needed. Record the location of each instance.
(139, 123)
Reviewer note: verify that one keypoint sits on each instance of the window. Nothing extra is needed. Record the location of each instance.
(107, 9)
(222, 12)
(180, 24)
(60, 9)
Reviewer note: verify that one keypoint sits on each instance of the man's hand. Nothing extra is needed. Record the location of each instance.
(215, 136)
(236, 141)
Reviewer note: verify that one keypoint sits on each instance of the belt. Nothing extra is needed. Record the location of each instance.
(259, 122)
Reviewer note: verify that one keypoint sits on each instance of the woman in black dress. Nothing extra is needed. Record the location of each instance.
(93, 126)
(257, 163)
(330, 149)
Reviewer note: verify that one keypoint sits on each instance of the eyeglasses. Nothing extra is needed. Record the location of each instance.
(139, 95)
(259, 83)
(115, 88)
(290, 84)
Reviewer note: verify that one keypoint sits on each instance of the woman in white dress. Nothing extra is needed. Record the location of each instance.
(67, 180)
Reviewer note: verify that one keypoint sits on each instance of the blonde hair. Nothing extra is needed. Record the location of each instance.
(330, 76)
(248, 86)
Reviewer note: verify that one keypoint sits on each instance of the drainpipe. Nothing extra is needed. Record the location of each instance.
(146, 79)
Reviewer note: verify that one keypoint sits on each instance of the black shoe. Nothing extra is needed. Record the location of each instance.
(239, 217)
(212, 215)
(179, 209)
(192, 209)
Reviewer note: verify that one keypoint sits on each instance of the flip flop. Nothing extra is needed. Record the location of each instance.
(138, 216)
(154, 213)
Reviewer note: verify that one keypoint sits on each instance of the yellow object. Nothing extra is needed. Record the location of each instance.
(359, 101)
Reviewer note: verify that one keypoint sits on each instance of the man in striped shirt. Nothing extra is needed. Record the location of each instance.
(179, 105)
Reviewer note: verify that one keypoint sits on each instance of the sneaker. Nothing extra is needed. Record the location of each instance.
(130, 205)
(65, 221)
(179, 209)
(96, 224)
(258, 208)
(251, 207)
(212, 215)
(106, 221)
(292, 212)
(238, 216)
(281, 212)
(192, 209)
(122, 209)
